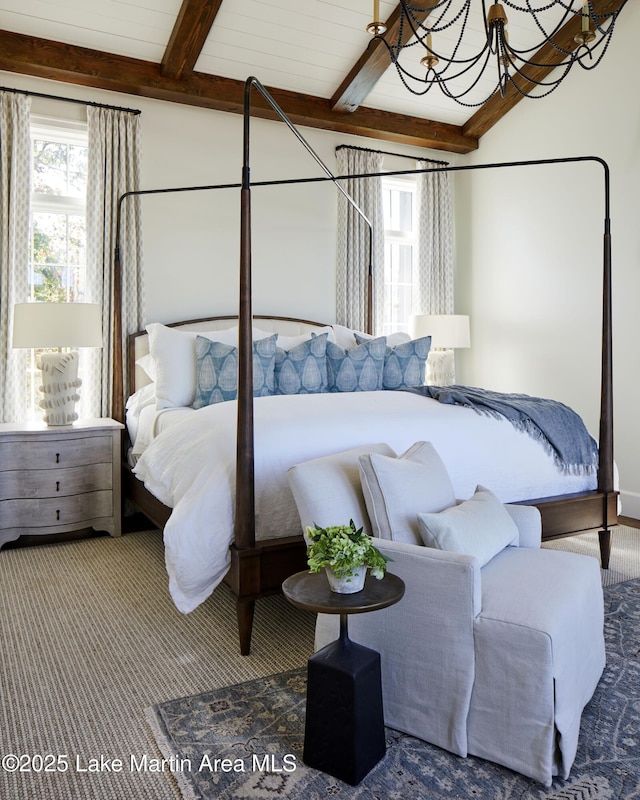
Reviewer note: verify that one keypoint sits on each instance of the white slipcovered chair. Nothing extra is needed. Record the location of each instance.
(498, 644)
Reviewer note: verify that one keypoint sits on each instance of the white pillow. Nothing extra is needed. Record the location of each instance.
(174, 353)
(289, 342)
(148, 365)
(396, 490)
(346, 337)
(480, 527)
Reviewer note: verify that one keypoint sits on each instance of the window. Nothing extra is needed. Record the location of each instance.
(58, 210)
(57, 266)
(400, 252)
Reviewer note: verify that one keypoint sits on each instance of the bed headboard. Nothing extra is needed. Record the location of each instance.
(139, 341)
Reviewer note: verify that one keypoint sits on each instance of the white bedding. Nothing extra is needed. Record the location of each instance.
(190, 467)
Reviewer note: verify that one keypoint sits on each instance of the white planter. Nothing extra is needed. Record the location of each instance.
(354, 583)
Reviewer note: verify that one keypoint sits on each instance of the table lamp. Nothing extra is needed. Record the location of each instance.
(48, 325)
(448, 332)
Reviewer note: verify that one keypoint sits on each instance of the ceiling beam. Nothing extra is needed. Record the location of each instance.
(497, 106)
(374, 62)
(188, 37)
(44, 58)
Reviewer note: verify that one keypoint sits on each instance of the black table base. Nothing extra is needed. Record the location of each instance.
(344, 729)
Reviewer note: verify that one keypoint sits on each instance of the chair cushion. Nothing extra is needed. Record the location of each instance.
(327, 490)
(480, 527)
(396, 490)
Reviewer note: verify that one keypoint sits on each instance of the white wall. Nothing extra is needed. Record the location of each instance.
(530, 250)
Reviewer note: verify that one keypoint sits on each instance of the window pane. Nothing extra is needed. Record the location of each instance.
(49, 238)
(77, 182)
(397, 208)
(59, 168)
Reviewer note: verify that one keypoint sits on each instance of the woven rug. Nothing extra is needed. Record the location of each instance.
(245, 741)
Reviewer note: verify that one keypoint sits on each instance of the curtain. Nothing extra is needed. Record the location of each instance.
(113, 169)
(15, 189)
(353, 240)
(435, 238)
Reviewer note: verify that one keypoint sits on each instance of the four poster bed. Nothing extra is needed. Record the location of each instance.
(223, 466)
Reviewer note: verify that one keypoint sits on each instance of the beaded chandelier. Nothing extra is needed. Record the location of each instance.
(464, 47)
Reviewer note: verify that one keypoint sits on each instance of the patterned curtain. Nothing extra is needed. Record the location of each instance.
(353, 240)
(114, 168)
(435, 237)
(15, 189)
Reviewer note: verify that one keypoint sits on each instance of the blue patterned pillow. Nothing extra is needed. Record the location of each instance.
(303, 369)
(404, 364)
(217, 370)
(358, 369)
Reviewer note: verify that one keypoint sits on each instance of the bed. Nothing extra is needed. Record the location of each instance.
(181, 466)
(254, 562)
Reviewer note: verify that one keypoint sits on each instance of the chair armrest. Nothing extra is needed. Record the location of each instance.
(528, 522)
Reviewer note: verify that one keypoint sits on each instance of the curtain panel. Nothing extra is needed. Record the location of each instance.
(353, 240)
(114, 169)
(435, 243)
(15, 190)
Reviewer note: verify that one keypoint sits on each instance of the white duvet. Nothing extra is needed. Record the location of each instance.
(190, 467)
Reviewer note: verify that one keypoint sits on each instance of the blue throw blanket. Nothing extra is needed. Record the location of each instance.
(561, 431)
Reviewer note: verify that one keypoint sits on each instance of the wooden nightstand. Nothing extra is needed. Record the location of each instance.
(59, 479)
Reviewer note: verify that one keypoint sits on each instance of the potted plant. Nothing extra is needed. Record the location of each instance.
(345, 553)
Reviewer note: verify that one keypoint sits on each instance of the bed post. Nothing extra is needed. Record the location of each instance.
(117, 389)
(605, 464)
(244, 532)
(245, 557)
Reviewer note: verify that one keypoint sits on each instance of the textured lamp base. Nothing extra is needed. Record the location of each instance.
(59, 383)
(344, 729)
(441, 367)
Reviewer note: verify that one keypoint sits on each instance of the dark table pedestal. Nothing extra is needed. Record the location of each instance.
(344, 730)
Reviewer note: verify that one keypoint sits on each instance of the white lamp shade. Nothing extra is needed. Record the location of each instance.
(41, 325)
(447, 331)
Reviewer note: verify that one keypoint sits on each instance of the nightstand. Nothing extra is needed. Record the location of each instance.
(59, 479)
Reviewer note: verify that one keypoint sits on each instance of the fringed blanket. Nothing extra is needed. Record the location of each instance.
(561, 431)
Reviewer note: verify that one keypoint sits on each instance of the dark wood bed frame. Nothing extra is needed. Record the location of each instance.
(259, 568)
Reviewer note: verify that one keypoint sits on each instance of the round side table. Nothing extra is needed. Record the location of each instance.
(344, 726)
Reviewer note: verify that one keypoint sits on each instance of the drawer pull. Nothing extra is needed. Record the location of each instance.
(57, 486)
(57, 458)
(58, 514)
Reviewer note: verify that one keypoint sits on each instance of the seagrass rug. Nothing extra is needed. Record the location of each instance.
(244, 742)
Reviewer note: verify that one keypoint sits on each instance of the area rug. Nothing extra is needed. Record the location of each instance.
(244, 742)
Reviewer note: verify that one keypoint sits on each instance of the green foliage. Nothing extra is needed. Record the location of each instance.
(343, 547)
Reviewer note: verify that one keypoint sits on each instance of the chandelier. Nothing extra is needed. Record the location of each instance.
(463, 46)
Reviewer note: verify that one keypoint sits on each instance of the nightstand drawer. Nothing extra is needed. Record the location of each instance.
(59, 482)
(56, 511)
(55, 453)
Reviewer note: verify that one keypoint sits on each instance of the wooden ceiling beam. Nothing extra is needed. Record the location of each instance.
(497, 106)
(373, 63)
(52, 60)
(188, 37)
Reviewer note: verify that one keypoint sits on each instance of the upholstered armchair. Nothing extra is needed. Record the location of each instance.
(498, 644)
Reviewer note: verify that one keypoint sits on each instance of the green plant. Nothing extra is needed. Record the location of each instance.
(343, 547)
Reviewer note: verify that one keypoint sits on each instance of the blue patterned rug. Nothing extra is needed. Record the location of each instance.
(245, 742)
